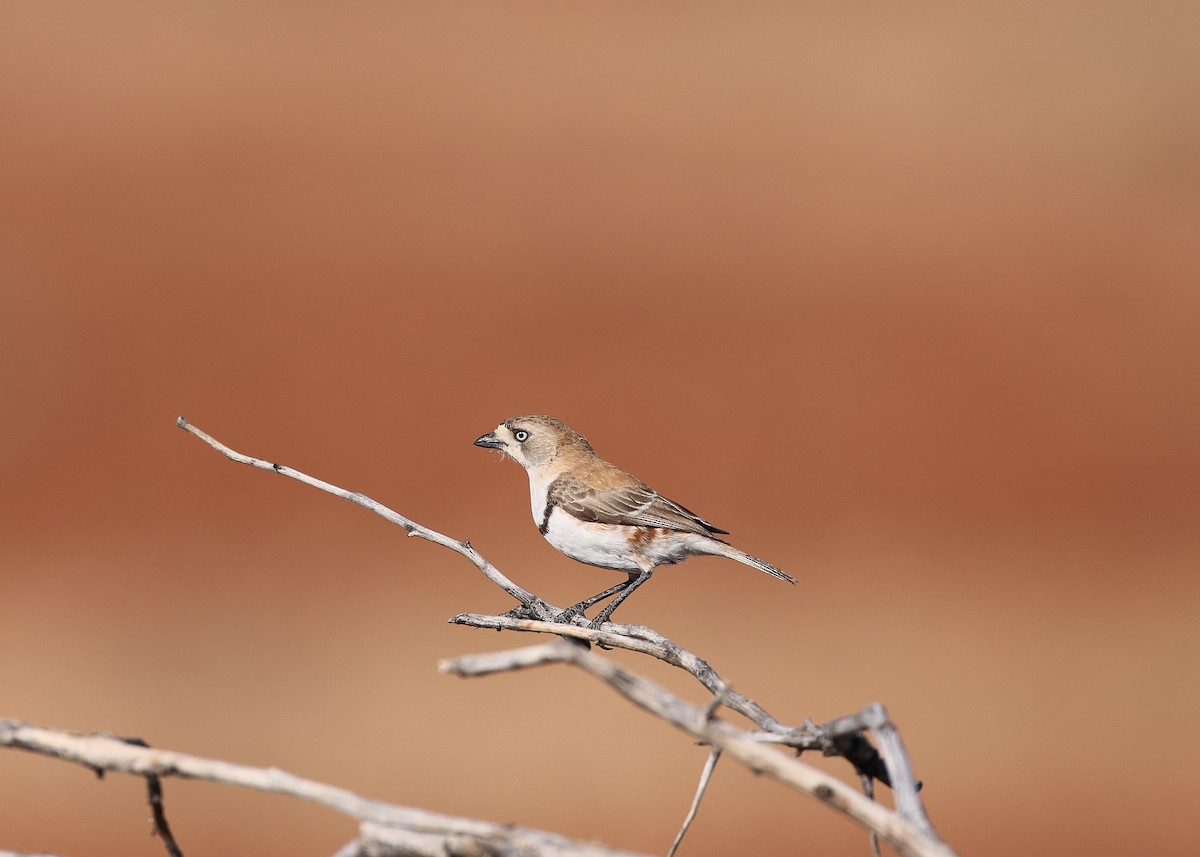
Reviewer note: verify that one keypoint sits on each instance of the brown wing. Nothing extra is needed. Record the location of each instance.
(631, 505)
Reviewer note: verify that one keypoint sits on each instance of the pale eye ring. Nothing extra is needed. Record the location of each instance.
(521, 435)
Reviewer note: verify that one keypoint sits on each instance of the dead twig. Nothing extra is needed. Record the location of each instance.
(843, 736)
(381, 821)
(411, 527)
(154, 796)
(710, 765)
(909, 838)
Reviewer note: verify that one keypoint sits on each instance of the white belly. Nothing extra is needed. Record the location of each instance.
(604, 545)
(609, 545)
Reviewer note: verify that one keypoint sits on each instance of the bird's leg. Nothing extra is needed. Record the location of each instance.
(576, 609)
(635, 580)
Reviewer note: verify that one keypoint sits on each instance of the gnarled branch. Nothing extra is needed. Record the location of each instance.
(909, 838)
(390, 829)
(394, 829)
(843, 736)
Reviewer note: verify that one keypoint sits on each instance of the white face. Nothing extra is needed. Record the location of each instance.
(512, 447)
(531, 445)
(533, 441)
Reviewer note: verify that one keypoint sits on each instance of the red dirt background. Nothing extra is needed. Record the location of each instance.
(907, 299)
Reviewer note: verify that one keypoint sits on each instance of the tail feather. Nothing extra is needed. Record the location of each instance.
(724, 549)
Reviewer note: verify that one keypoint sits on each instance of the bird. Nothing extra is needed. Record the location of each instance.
(598, 514)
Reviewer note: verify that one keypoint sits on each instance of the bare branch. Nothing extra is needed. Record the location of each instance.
(162, 829)
(647, 641)
(382, 841)
(635, 638)
(154, 796)
(904, 785)
(841, 737)
(831, 738)
(474, 666)
(705, 777)
(868, 787)
(910, 839)
(450, 833)
(411, 527)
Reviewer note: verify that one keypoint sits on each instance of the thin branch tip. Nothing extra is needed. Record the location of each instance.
(464, 549)
(907, 827)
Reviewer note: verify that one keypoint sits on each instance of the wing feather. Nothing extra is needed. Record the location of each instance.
(635, 505)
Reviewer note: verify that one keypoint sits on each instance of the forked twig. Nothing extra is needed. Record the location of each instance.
(890, 764)
(154, 796)
(909, 838)
(392, 823)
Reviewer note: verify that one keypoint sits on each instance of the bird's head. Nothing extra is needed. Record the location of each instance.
(535, 441)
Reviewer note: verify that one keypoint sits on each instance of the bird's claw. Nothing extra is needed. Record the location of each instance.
(567, 617)
(534, 609)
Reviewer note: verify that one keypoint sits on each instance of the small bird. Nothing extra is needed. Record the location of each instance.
(598, 514)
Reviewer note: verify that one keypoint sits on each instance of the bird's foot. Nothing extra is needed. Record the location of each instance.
(567, 617)
(595, 625)
(535, 608)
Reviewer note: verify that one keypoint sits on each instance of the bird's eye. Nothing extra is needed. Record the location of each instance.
(521, 435)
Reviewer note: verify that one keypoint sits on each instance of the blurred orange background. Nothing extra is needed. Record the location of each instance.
(905, 298)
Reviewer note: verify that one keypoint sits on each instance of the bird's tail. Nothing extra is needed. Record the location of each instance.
(720, 548)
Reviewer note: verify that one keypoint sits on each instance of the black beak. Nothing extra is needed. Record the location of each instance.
(490, 441)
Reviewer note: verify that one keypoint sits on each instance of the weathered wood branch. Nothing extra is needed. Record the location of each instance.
(389, 829)
(909, 838)
(413, 529)
(843, 736)
(403, 830)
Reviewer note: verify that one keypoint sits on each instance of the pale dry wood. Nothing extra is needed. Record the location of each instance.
(911, 840)
(382, 841)
(382, 820)
(710, 765)
(647, 641)
(413, 529)
(536, 615)
(636, 638)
